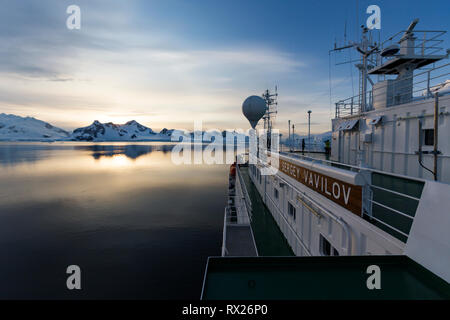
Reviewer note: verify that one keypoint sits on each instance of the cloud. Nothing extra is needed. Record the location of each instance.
(111, 70)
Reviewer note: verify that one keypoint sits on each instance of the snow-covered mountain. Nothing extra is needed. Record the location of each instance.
(132, 130)
(16, 128)
(317, 140)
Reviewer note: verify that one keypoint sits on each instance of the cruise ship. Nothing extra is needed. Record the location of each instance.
(368, 220)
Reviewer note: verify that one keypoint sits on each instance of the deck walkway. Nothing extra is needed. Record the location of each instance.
(239, 241)
(268, 236)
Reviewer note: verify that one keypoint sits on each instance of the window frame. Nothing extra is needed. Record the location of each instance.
(323, 243)
(292, 214)
(428, 137)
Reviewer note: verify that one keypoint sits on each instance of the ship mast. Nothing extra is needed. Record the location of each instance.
(365, 48)
(272, 103)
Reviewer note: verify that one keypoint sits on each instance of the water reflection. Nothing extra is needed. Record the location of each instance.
(130, 151)
(125, 213)
(11, 154)
(18, 153)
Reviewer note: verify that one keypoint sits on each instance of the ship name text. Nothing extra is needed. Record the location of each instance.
(342, 193)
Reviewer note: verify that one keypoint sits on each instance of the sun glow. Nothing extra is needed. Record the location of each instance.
(115, 161)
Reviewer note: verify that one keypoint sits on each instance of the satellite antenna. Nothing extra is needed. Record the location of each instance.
(390, 51)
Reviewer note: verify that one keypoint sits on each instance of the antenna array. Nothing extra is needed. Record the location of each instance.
(271, 111)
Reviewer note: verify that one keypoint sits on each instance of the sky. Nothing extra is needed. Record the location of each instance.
(167, 63)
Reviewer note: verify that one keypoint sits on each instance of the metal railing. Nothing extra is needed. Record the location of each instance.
(349, 166)
(224, 234)
(244, 191)
(396, 92)
(419, 86)
(291, 145)
(349, 106)
(238, 211)
(426, 42)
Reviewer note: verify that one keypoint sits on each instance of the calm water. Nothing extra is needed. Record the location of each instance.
(136, 224)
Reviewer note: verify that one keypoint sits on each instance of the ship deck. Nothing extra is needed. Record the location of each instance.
(318, 278)
(239, 241)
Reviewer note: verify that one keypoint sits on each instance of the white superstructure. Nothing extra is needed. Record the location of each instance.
(385, 190)
(402, 123)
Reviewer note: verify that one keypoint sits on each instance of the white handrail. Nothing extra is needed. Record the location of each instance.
(289, 225)
(339, 220)
(348, 107)
(356, 167)
(244, 191)
(224, 235)
(395, 192)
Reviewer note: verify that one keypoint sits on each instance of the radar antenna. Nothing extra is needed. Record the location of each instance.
(408, 31)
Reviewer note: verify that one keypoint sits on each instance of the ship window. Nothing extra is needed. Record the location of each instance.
(275, 193)
(291, 210)
(428, 137)
(325, 246)
(326, 249)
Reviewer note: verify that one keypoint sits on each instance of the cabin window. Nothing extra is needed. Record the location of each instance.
(326, 249)
(325, 246)
(291, 210)
(275, 193)
(428, 137)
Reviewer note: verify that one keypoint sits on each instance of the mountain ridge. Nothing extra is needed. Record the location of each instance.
(18, 128)
(129, 131)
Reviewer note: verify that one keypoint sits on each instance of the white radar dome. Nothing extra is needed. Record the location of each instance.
(254, 108)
